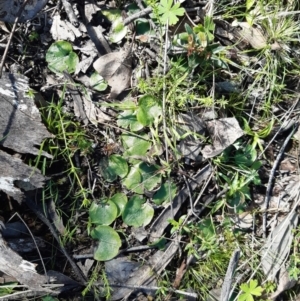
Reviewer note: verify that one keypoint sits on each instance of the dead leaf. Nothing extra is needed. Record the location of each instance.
(277, 246)
(115, 68)
(63, 30)
(287, 165)
(244, 220)
(56, 219)
(252, 35)
(284, 283)
(191, 125)
(93, 113)
(223, 132)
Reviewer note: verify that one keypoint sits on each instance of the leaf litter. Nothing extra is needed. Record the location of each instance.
(156, 186)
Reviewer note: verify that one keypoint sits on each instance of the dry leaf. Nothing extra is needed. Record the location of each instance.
(244, 220)
(252, 35)
(284, 283)
(277, 246)
(193, 125)
(63, 30)
(223, 132)
(115, 68)
(93, 113)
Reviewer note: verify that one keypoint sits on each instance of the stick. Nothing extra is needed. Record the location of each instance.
(40, 215)
(272, 175)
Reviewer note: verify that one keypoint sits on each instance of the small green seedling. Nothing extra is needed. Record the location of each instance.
(250, 290)
(135, 212)
(168, 12)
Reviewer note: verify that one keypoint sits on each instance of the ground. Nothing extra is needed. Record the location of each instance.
(162, 162)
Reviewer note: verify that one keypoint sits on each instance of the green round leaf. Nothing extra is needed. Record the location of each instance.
(112, 167)
(137, 213)
(166, 193)
(109, 243)
(118, 31)
(128, 119)
(97, 82)
(142, 27)
(149, 110)
(151, 177)
(60, 57)
(133, 181)
(120, 200)
(135, 145)
(104, 213)
(112, 14)
(118, 165)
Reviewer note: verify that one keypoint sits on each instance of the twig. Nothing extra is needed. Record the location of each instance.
(226, 287)
(34, 241)
(271, 177)
(190, 197)
(11, 36)
(40, 215)
(137, 15)
(151, 288)
(129, 250)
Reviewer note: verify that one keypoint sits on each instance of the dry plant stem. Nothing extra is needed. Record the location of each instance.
(37, 248)
(287, 116)
(23, 295)
(40, 215)
(70, 12)
(190, 197)
(226, 287)
(11, 36)
(137, 15)
(152, 288)
(164, 111)
(270, 182)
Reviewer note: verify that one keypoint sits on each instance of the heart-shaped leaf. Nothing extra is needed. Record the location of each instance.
(133, 181)
(166, 193)
(127, 119)
(109, 243)
(112, 167)
(97, 82)
(104, 213)
(118, 31)
(120, 200)
(151, 177)
(149, 110)
(135, 145)
(137, 213)
(60, 57)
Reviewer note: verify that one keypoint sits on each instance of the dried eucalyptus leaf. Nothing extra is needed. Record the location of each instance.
(223, 132)
(115, 68)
